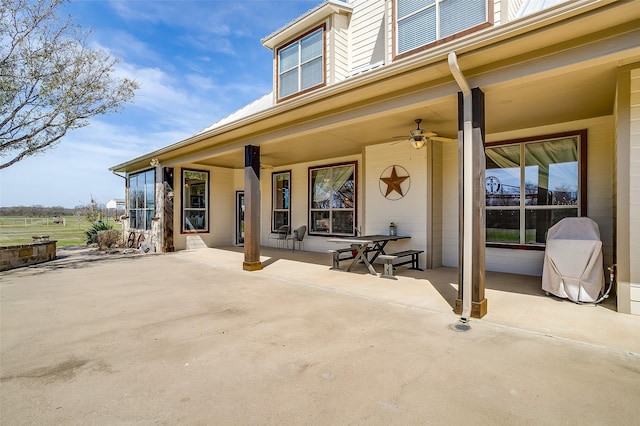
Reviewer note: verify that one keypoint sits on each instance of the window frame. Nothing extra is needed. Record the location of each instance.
(522, 207)
(310, 209)
(206, 202)
(395, 42)
(297, 41)
(148, 212)
(274, 228)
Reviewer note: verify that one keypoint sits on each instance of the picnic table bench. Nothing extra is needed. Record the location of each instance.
(389, 260)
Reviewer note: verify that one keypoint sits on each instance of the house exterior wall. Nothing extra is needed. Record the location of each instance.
(221, 210)
(627, 190)
(634, 194)
(368, 33)
(600, 137)
(409, 213)
(338, 45)
(300, 200)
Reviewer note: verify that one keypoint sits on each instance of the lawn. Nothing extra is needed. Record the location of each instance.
(66, 230)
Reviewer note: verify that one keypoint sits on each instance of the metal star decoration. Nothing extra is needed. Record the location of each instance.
(393, 182)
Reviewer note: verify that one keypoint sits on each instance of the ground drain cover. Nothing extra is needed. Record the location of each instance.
(461, 327)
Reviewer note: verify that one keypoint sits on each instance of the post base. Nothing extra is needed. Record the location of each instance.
(478, 309)
(252, 266)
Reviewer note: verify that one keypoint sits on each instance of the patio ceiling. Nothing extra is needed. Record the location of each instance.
(509, 106)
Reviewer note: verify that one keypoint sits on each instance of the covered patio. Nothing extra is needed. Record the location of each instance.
(515, 301)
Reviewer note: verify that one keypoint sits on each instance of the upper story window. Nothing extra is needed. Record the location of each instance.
(142, 200)
(420, 23)
(531, 184)
(301, 64)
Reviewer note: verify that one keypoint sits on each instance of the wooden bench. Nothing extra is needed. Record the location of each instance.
(336, 256)
(390, 259)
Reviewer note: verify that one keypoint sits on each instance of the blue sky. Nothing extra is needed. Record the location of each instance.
(196, 62)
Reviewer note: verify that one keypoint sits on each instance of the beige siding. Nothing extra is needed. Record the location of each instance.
(634, 193)
(221, 211)
(340, 48)
(450, 205)
(409, 213)
(599, 184)
(368, 35)
(436, 202)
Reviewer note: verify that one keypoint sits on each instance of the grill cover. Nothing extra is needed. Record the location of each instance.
(573, 260)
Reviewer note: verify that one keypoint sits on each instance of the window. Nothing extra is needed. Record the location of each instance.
(423, 22)
(195, 201)
(141, 199)
(281, 200)
(332, 199)
(301, 64)
(530, 185)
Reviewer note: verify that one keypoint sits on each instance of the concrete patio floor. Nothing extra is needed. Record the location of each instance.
(191, 338)
(516, 301)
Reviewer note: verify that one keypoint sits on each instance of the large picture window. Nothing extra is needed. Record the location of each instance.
(531, 185)
(422, 22)
(301, 64)
(332, 192)
(195, 201)
(281, 200)
(141, 199)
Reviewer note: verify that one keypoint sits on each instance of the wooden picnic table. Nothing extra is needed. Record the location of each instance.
(366, 244)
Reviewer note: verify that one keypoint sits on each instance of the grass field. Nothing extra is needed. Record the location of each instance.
(67, 232)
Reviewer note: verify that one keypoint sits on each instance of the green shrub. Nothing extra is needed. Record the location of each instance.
(91, 234)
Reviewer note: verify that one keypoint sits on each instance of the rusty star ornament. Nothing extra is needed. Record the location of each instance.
(394, 182)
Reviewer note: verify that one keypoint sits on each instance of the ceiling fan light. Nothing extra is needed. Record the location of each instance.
(417, 144)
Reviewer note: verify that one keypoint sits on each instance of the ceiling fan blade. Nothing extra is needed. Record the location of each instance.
(441, 139)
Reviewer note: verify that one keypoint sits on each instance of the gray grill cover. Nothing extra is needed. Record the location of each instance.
(573, 260)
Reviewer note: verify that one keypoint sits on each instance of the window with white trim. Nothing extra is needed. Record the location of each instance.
(195, 201)
(531, 185)
(301, 64)
(142, 200)
(281, 200)
(419, 23)
(332, 192)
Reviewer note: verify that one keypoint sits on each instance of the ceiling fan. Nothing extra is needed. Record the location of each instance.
(419, 137)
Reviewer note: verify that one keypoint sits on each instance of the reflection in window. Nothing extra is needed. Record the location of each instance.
(332, 195)
(525, 198)
(281, 200)
(195, 201)
(141, 199)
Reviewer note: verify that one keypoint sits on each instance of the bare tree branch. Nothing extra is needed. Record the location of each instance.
(50, 81)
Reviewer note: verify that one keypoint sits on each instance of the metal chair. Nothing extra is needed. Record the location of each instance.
(280, 236)
(297, 237)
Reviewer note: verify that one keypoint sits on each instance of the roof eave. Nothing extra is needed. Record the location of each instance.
(469, 44)
(312, 17)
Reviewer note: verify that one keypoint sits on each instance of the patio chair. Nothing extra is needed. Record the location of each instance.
(280, 236)
(297, 237)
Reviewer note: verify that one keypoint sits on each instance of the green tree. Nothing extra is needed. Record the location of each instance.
(50, 81)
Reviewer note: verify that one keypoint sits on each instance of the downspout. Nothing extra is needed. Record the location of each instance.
(467, 250)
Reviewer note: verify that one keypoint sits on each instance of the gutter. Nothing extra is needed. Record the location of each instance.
(467, 185)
